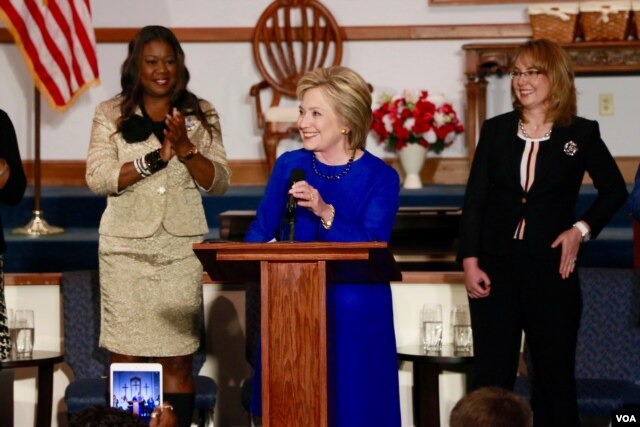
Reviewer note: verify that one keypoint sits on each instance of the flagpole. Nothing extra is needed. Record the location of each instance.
(38, 225)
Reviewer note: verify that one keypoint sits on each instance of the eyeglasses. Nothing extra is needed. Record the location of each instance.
(528, 73)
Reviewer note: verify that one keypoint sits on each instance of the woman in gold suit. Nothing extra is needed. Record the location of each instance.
(153, 147)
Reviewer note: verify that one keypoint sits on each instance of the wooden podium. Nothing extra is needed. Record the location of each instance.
(293, 277)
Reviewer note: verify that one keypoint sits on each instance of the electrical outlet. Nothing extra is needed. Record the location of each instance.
(606, 104)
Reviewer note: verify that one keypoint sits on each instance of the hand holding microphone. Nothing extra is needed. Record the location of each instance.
(296, 175)
(306, 196)
(301, 193)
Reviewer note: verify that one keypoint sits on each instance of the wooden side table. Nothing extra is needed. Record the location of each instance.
(427, 367)
(44, 361)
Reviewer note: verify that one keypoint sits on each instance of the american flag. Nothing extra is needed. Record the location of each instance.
(58, 43)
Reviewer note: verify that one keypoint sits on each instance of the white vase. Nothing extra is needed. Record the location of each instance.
(412, 157)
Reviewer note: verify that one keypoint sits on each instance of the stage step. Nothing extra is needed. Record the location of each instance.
(78, 211)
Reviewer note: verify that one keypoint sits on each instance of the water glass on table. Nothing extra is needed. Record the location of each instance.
(432, 327)
(461, 321)
(21, 331)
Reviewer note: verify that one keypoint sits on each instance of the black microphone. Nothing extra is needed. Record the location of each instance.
(296, 175)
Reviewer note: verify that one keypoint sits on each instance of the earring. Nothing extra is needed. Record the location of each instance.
(344, 131)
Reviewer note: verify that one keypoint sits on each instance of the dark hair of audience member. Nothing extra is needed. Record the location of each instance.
(491, 407)
(104, 416)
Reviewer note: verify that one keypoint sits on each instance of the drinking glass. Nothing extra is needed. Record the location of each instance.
(22, 333)
(461, 321)
(432, 327)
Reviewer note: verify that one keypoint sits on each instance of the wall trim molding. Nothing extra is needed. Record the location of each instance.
(448, 170)
(354, 33)
(414, 277)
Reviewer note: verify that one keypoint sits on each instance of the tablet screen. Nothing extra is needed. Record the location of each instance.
(136, 388)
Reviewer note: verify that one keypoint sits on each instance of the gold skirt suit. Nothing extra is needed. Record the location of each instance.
(150, 279)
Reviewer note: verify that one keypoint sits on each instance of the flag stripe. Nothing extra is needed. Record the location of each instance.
(22, 38)
(88, 43)
(57, 40)
(81, 45)
(56, 13)
(45, 32)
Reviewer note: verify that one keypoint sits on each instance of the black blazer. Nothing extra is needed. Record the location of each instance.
(495, 201)
(13, 190)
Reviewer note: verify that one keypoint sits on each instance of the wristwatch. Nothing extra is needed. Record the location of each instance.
(192, 152)
(584, 231)
(328, 223)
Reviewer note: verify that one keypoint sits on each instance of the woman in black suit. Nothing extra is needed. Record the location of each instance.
(519, 238)
(12, 185)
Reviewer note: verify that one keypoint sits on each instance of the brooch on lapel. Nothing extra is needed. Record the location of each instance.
(570, 148)
(189, 124)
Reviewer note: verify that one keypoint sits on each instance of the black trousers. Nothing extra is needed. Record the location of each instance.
(528, 294)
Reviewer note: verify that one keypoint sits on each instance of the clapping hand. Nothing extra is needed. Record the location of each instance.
(176, 133)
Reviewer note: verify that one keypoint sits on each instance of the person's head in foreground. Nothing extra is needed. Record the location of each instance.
(491, 407)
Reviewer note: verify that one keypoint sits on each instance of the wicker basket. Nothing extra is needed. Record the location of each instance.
(554, 21)
(635, 10)
(605, 20)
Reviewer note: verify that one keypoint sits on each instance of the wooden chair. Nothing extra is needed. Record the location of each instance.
(290, 38)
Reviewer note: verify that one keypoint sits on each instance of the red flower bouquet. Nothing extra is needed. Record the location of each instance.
(415, 118)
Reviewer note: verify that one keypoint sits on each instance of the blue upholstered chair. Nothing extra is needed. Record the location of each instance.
(206, 387)
(89, 363)
(252, 320)
(608, 351)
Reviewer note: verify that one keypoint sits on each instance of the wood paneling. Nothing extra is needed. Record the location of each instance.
(32, 279)
(452, 170)
(187, 35)
(57, 172)
(470, 2)
(417, 277)
(359, 33)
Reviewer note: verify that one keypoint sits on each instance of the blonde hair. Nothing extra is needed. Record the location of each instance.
(349, 95)
(549, 58)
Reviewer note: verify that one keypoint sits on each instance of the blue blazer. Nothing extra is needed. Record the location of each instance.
(495, 201)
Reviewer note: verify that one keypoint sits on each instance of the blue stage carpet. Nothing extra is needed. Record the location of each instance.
(78, 211)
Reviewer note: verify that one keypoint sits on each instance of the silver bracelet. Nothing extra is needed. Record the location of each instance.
(141, 167)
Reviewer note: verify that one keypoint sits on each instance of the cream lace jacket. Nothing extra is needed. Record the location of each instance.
(170, 197)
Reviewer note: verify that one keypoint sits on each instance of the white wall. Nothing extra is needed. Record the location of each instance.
(223, 72)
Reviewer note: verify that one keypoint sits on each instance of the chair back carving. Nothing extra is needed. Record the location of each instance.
(291, 37)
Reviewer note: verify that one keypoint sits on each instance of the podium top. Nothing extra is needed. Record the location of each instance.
(291, 251)
(350, 262)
